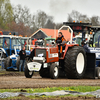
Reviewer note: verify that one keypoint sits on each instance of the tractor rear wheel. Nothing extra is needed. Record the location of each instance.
(28, 74)
(75, 62)
(3, 55)
(98, 72)
(54, 72)
(8, 63)
(5, 63)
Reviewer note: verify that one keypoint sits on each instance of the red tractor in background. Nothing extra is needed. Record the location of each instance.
(47, 61)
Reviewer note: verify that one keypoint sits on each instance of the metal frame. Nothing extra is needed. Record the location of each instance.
(64, 26)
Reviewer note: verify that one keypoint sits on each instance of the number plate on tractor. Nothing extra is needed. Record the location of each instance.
(34, 66)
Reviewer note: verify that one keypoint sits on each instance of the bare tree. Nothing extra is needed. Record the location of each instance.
(41, 20)
(95, 20)
(6, 13)
(50, 24)
(22, 20)
(69, 19)
(22, 15)
(77, 17)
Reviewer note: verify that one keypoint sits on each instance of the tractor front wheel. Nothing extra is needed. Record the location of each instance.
(54, 71)
(28, 74)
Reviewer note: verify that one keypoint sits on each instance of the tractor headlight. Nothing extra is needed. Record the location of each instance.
(44, 59)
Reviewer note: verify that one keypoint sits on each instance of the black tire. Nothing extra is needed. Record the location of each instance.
(5, 62)
(18, 63)
(8, 63)
(3, 55)
(75, 62)
(54, 71)
(98, 72)
(44, 73)
(27, 73)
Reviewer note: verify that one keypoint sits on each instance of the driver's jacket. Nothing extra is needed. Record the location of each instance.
(60, 40)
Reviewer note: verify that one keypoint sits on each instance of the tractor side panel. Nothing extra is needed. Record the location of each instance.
(91, 66)
(52, 55)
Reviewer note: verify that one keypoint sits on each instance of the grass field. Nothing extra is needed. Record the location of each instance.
(51, 89)
(47, 89)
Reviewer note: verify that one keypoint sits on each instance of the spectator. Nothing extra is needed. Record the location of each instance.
(85, 47)
(32, 54)
(22, 55)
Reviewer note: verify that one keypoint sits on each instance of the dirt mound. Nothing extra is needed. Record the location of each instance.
(13, 73)
(8, 73)
(57, 98)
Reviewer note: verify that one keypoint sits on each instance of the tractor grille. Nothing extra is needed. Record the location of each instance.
(41, 51)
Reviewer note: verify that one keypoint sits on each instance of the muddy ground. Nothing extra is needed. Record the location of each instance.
(58, 98)
(9, 80)
(18, 80)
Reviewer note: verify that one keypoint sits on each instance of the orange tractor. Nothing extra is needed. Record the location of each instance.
(47, 62)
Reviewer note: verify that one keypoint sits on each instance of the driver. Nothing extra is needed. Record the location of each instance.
(61, 42)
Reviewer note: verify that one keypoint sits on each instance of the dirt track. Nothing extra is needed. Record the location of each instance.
(19, 81)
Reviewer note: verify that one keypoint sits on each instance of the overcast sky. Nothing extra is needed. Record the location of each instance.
(59, 9)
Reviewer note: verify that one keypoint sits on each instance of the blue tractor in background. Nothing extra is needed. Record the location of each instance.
(93, 44)
(94, 47)
(10, 46)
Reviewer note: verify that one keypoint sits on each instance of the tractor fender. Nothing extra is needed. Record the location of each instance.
(3, 50)
(13, 56)
(34, 66)
(68, 46)
(3, 53)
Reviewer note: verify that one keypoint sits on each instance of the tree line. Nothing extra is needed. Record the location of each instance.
(19, 19)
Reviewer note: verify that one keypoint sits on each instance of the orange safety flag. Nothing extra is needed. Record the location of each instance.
(1, 33)
(5, 42)
(25, 43)
(60, 49)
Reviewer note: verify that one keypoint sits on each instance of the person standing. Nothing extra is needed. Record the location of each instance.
(85, 47)
(22, 55)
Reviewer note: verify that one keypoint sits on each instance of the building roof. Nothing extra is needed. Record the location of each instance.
(53, 33)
